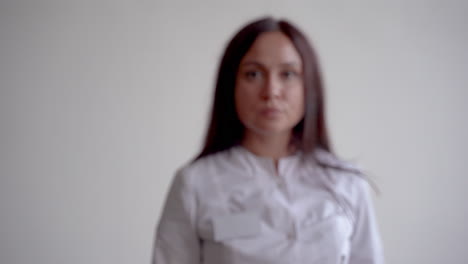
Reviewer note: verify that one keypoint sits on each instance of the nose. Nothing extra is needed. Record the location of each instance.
(271, 88)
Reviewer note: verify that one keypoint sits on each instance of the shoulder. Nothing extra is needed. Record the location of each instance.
(330, 160)
(345, 178)
(203, 169)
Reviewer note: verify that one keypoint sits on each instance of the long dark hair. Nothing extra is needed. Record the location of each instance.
(225, 130)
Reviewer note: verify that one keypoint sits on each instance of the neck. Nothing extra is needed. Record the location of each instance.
(271, 146)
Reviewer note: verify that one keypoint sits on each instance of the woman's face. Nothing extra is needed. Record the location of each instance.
(269, 92)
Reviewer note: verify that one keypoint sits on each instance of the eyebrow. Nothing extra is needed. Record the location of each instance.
(255, 63)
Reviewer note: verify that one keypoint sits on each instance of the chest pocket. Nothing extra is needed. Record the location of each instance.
(326, 230)
(235, 214)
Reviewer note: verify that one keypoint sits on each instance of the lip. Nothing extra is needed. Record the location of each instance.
(270, 112)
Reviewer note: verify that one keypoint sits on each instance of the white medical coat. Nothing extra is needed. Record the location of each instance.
(235, 207)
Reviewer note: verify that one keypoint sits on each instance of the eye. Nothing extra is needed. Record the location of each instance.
(253, 74)
(289, 74)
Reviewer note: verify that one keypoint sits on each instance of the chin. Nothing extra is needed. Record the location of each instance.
(272, 130)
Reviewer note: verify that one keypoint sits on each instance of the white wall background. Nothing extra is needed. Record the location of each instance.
(101, 101)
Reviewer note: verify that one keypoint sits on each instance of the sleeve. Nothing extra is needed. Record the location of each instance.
(366, 245)
(176, 239)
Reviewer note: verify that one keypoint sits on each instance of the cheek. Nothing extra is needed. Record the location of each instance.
(243, 102)
(245, 95)
(296, 100)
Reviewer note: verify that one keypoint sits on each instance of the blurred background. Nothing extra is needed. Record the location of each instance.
(101, 101)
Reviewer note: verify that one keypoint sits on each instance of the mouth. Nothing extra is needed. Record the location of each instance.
(270, 112)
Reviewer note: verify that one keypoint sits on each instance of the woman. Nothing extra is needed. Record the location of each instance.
(266, 187)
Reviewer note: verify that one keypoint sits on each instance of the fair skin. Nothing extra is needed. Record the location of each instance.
(269, 94)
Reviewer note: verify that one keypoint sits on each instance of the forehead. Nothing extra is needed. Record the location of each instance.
(271, 49)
